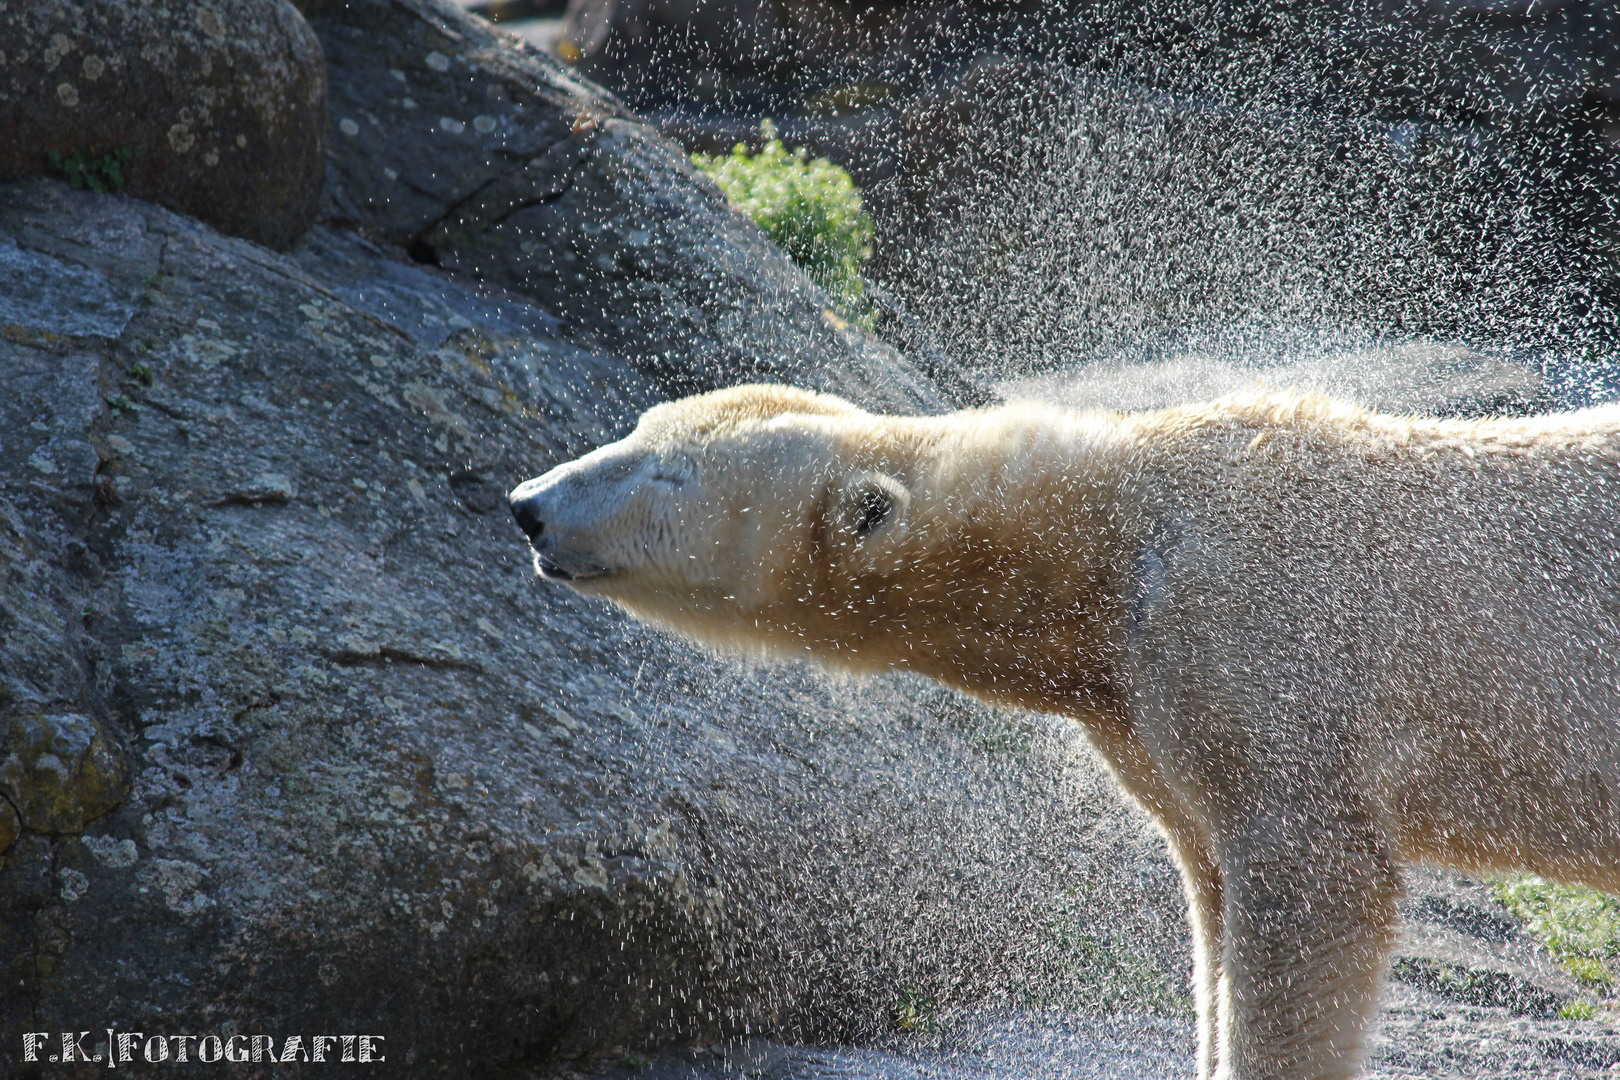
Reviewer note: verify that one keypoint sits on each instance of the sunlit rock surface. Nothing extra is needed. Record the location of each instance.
(381, 779)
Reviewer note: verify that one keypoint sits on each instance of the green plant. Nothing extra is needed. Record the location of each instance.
(1579, 926)
(1578, 1010)
(1585, 969)
(100, 173)
(917, 1011)
(120, 404)
(141, 373)
(811, 209)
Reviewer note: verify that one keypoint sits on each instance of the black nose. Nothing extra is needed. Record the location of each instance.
(528, 517)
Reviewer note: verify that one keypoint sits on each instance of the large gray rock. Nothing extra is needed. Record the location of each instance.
(213, 109)
(380, 778)
(497, 164)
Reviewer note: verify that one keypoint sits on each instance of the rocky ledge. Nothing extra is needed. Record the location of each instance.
(295, 741)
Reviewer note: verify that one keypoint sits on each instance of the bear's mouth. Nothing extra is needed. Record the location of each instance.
(552, 572)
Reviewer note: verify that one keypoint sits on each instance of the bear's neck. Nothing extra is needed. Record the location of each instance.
(1013, 569)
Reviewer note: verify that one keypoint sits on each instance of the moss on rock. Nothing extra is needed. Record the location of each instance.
(59, 773)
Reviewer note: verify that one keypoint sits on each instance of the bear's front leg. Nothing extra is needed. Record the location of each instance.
(1201, 881)
(1137, 771)
(1309, 903)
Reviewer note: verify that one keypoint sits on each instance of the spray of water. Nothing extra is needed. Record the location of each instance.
(1061, 184)
(1138, 205)
(1102, 223)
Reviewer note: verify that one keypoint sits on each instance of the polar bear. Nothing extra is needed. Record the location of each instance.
(1314, 642)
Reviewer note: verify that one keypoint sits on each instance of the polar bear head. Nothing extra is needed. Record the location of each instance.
(971, 547)
(721, 509)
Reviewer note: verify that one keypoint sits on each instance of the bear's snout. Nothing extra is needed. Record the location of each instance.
(570, 517)
(526, 511)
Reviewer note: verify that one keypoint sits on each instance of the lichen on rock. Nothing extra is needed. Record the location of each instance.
(60, 772)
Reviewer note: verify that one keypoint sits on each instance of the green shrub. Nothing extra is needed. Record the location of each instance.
(1579, 926)
(100, 173)
(810, 209)
(1588, 971)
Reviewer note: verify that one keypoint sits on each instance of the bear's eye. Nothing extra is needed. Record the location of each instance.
(875, 508)
(668, 478)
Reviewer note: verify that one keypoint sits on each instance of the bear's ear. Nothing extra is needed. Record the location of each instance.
(871, 505)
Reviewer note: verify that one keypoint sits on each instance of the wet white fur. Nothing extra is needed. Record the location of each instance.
(1316, 643)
